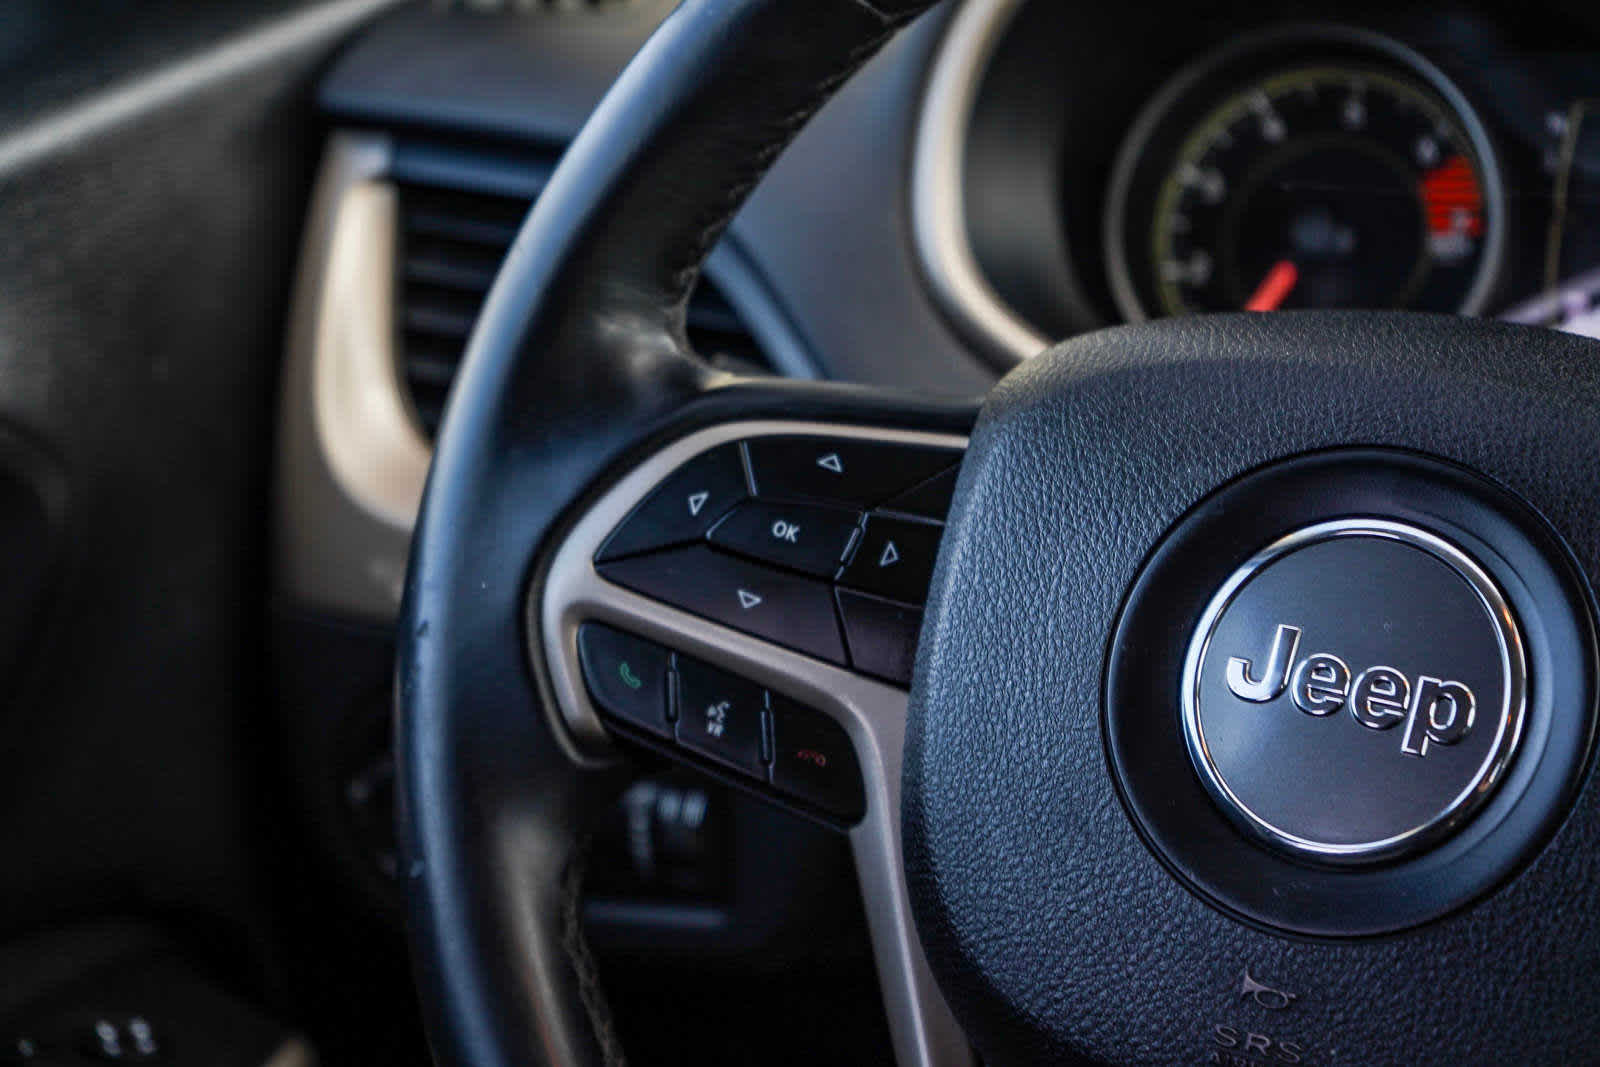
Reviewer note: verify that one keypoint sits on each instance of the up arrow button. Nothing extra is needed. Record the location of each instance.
(842, 471)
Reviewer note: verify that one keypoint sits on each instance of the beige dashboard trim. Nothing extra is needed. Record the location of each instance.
(351, 463)
(368, 435)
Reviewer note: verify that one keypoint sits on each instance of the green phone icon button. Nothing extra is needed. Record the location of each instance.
(629, 679)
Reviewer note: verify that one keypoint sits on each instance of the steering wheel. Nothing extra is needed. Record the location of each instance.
(1216, 690)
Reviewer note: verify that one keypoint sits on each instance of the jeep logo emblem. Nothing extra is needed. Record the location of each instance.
(1434, 711)
(1362, 619)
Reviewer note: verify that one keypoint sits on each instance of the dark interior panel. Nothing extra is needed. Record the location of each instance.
(148, 255)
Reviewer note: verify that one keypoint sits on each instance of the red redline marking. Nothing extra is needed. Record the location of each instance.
(1275, 287)
(1450, 196)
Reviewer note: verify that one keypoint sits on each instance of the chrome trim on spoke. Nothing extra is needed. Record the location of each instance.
(874, 714)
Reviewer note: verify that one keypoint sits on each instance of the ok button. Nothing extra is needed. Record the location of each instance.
(810, 538)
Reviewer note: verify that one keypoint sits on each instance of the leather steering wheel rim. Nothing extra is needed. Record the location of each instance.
(579, 357)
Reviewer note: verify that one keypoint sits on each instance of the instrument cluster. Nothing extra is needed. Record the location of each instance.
(1320, 169)
(1108, 169)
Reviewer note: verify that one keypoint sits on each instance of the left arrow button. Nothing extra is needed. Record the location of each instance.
(683, 507)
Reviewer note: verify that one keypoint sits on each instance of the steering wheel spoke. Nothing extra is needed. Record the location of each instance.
(746, 599)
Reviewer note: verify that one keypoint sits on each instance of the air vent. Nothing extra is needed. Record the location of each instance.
(451, 246)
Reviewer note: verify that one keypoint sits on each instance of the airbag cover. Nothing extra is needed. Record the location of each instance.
(1055, 927)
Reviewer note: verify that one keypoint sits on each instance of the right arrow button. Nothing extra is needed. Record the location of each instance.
(895, 558)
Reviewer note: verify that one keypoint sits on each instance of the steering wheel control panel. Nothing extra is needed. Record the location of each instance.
(820, 544)
(761, 736)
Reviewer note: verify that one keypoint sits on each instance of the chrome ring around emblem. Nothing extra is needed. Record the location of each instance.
(1507, 721)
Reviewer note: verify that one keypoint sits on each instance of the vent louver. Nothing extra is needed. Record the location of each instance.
(451, 245)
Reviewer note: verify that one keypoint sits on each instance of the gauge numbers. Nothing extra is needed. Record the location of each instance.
(1321, 187)
(1341, 172)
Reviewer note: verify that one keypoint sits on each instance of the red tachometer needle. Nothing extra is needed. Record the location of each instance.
(1275, 287)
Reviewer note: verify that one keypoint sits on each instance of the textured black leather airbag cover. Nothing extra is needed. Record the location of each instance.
(1053, 929)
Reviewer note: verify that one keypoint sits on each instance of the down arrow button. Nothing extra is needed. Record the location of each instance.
(786, 608)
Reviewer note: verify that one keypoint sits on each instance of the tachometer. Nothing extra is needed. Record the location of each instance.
(1327, 173)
